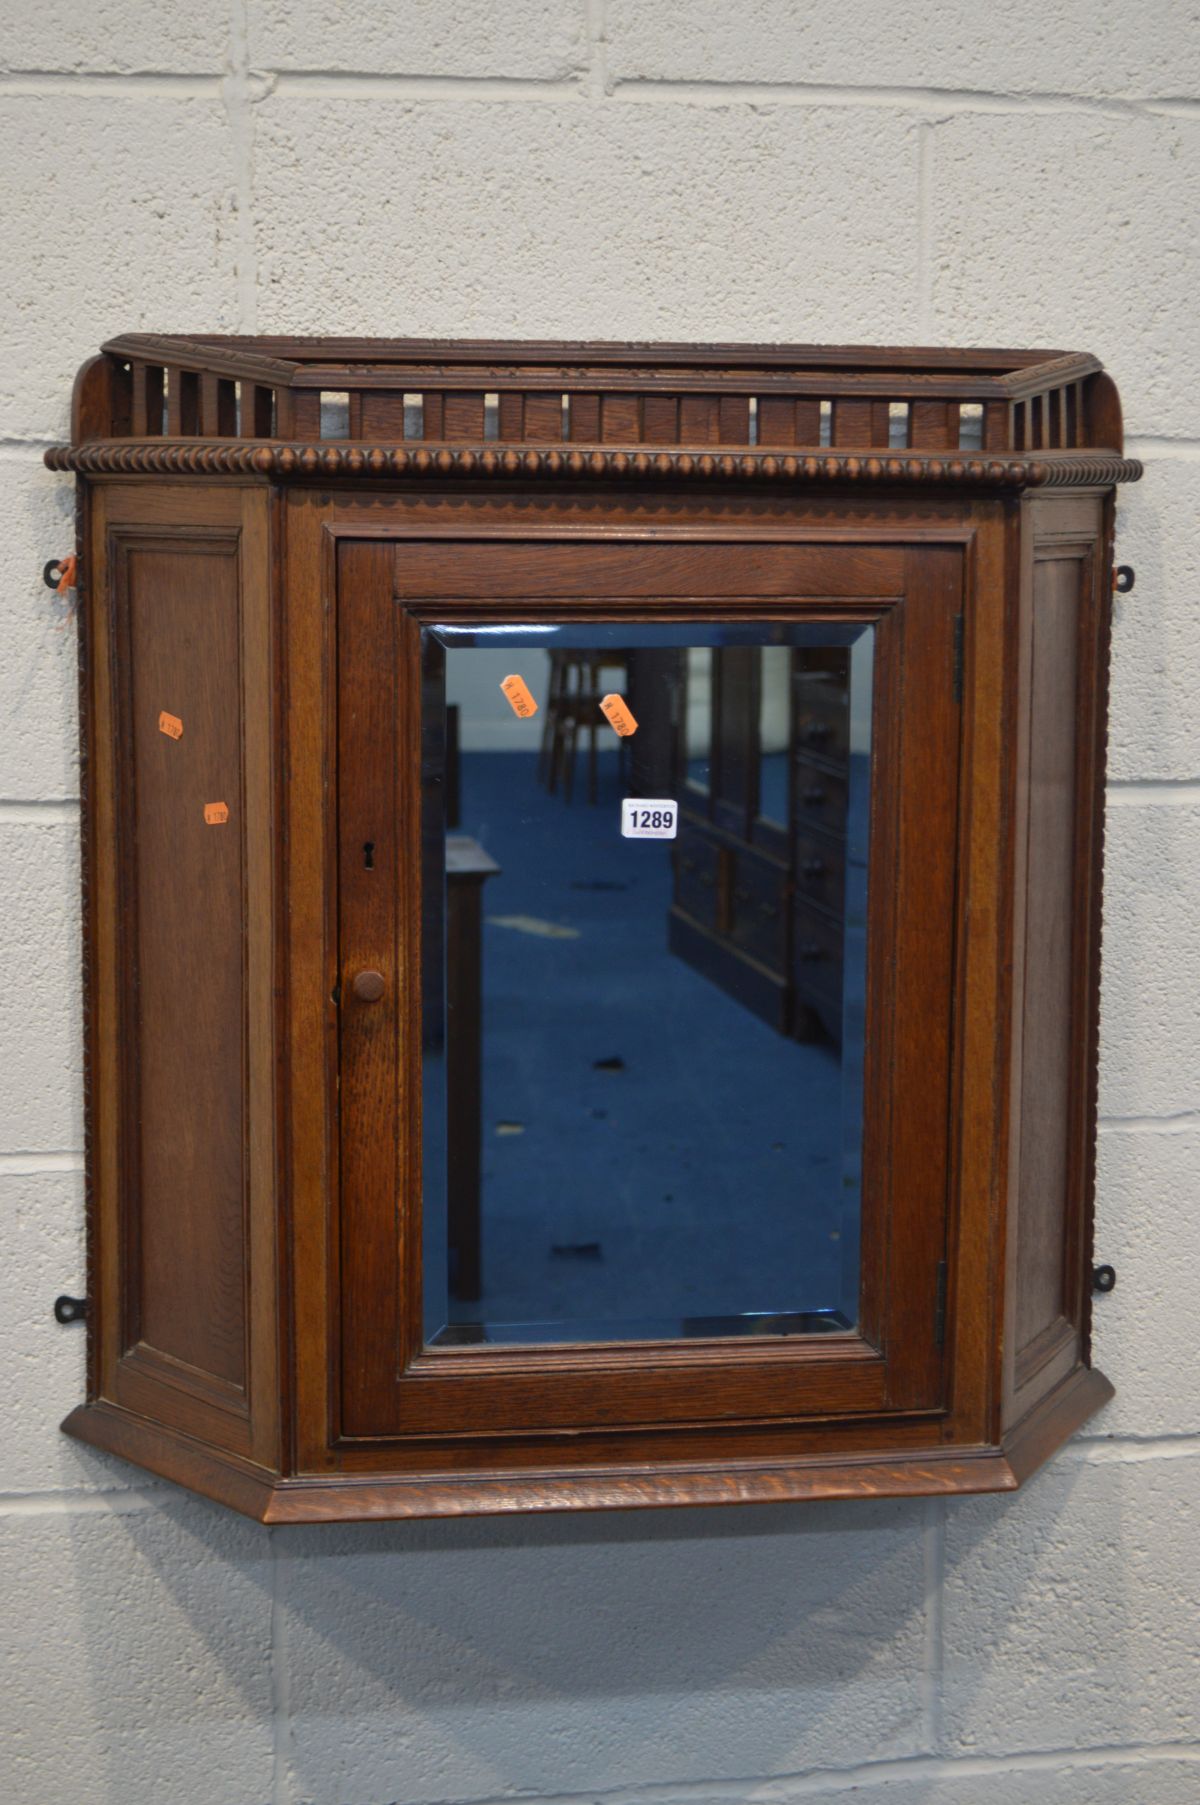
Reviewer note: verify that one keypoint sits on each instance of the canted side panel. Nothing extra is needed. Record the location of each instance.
(182, 959)
(1046, 1086)
(1055, 878)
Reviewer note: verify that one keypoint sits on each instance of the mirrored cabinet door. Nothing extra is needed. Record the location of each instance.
(629, 865)
(642, 1077)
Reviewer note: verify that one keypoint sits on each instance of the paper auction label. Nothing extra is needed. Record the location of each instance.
(643, 819)
(520, 696)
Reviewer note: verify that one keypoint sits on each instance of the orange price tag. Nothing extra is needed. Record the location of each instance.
(171, 725)
(616, 712)
(520, 696)
(216, 812)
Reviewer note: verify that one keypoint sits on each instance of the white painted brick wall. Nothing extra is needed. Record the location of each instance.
(121, 211)
(973, 54)
(475, 1661)
(532, 40)
(696, 168)
(497, 216)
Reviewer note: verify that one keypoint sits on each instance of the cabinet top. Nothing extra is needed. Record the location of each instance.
(283, 407)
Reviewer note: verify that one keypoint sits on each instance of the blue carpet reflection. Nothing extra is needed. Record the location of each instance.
(651, 1150)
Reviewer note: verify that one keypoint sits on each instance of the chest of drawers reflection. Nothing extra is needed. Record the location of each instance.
(591, 996)
(761, 870)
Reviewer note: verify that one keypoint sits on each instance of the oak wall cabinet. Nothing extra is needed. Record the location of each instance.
(719, 1128)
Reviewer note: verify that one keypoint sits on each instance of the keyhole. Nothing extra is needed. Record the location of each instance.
(369, 854)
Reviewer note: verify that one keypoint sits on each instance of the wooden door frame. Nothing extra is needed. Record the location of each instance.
(790, 1381)
(987, 532)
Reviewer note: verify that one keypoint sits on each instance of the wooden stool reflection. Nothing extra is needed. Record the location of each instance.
(468, 867)
(577, 682)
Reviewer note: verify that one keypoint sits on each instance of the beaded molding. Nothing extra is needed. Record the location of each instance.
(308, 460)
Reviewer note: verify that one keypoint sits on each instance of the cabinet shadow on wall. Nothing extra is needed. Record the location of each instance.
(784, 1637)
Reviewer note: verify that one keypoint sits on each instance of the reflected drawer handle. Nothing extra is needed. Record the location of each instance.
(813, 867)
(815, 796)
(809, 951)
(817, 730)
(742, 895)
(688, 864)
(768, 909)
(706, 879)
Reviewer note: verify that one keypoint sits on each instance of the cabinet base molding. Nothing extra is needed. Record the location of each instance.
(380, 1497)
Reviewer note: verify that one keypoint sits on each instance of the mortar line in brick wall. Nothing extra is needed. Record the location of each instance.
(924, 230)
(367, 84)
(597, 38)
(932, 1665)
(1128, 792)
(114, 1502)
(645, 89)
(33, 1165)
(16, 811)
(281, 1791)
(1128, 1450)
(1156, 445)
(237, 94)
(781, 1789)
(136, 84)
(362, 84)
(16, 445)
(1179, 1121)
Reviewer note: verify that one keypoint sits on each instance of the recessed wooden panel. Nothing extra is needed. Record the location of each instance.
(177, 656)
(1049, 1067)
(489, 570)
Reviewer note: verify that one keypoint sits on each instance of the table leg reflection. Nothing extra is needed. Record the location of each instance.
(468, 867)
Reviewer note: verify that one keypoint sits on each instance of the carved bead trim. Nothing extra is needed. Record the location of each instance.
(332, 462)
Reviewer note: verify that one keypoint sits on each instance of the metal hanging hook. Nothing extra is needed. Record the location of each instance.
(59, 573)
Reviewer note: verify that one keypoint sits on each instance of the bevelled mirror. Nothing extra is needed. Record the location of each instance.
(664, 1016)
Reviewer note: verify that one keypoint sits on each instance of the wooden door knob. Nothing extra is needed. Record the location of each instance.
(368, 986)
